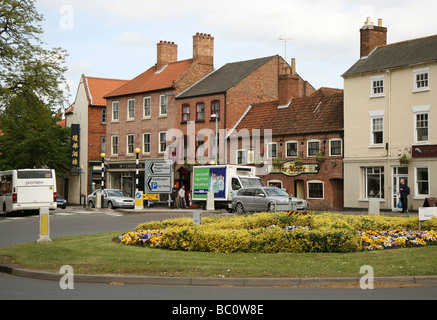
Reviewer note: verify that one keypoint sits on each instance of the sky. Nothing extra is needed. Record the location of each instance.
(117, 38)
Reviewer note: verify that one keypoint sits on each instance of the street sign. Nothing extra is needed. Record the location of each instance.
(158, 185)
(153, 197)
(158, 176)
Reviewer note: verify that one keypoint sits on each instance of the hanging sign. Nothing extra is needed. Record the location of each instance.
(75, 149)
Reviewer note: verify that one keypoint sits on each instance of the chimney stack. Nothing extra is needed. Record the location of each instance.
(167, 53)
(203, 49)
(372, 36)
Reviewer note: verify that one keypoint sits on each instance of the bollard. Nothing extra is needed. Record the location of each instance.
(197, 218)
(44, 225)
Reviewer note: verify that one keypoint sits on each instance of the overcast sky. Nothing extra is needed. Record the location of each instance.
(117, 38)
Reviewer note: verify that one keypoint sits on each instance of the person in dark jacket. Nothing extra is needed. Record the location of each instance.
(404, 192)
(174, 194)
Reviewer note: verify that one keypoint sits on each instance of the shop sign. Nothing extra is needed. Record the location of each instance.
(75, 148)
(292, 170)
(424, 151)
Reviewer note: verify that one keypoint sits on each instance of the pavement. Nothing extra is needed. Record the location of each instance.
(240, 282)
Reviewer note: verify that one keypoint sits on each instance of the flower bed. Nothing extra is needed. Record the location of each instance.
(270, 233)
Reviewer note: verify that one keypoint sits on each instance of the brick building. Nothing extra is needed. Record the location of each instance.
(141, 111)
(220, 100)
(305, 151)
(88, 111)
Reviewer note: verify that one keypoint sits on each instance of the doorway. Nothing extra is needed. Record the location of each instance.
(299, 189)
(399, 173)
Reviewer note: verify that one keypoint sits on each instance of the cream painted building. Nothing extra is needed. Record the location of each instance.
(390, 112)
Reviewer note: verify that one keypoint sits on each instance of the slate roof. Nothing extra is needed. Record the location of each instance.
(401, 54)
(224, 78)
(97, 88)
(153, 79)
(321, 112)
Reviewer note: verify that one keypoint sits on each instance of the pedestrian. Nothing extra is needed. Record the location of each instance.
(174, 194)
(404, 192)
(182, 197)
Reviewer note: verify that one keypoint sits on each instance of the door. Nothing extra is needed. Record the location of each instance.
(399, 173)
(299, 189)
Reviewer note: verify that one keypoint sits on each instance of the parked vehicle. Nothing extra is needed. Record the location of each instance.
(27, 189)
(254, 199)
(113, 198)
(224, 181)
(62, 203)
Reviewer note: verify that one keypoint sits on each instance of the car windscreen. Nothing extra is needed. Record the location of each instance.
(115, 193)
(275, 192)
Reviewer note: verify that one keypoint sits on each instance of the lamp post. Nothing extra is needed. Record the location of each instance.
(137, 152)
(102, 156)
(215, 116)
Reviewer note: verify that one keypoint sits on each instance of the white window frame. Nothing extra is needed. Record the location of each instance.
(419, 72)
(418, 111)
(341, 147)
(381, 176)
(130, 144)
(315, 182)
(276, 182)
(308, 147)
(147, 104)
(270, 150)
(416, 183)
(115, 111)
(130, 104)
(244, 156)
(149, 143)
(374, 115)
(160, 151)
(286, 149)
(376, 80)
(162, 105)
(114, 145)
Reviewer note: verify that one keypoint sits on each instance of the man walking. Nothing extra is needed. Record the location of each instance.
(404, 192)
(182, 197)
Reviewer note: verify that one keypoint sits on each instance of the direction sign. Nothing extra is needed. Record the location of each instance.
(158, 184)
(160, 168)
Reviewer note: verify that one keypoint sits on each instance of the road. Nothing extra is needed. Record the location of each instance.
(73, 222)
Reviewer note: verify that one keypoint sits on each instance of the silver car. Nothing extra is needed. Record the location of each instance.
(113, 198)
(266, 199)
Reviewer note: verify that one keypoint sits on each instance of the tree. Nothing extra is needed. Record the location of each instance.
(31, 137)
(24, 64)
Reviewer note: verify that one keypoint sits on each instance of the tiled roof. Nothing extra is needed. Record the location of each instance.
(321, 112)
(401, 54)
(153, 79)
(224, 78)
(97, 88)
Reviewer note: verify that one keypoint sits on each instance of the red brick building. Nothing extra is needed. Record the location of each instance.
(306, 147)
(141, 111)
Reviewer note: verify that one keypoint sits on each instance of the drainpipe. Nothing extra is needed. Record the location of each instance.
(390, 181)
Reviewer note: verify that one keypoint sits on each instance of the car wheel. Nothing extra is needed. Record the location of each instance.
(239, 208)
(90, 204)
(110, 205)
(271, 207)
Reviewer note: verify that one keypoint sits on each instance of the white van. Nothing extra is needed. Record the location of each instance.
(27, 189)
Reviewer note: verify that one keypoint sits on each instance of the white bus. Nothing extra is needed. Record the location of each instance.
(27, 189)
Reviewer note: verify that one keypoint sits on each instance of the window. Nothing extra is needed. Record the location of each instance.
(114, 150)
(103, 144)
(241, 156)
(115, 107)
(421, 80)
(215, 108)
(200, 111)
(377, 86)
(313, 148)
(422, 182)
(185, 112)
(162, 142)
(146, 142)
(163, 100)
(130, 109)
(335, 147)
(377, 131)
(272, 150)
(422, 127)
(315, 190)
(103, 116)
(291, 149)
(130, 144)
(374, 182)
(147, 108)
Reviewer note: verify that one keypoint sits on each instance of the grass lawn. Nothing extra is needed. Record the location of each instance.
(98, 254)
